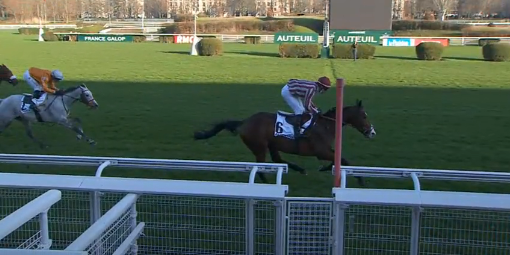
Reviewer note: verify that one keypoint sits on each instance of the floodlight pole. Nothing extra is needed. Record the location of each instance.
(194, 43)
(325, 33)
(143, 16)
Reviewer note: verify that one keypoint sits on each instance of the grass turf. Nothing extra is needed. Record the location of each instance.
(449, 115)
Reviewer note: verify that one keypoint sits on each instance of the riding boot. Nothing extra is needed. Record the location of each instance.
(297, 128)
(36, 95)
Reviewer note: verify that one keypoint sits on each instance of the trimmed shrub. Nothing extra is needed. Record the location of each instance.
(498, 52)
(210, 47)
(252, 39)
(429, 51)
(139, 38)
(166, 38)
(29, 31)
(50, 37)
(207, 36)
(344, 51)
(297, 50)
(484, 41)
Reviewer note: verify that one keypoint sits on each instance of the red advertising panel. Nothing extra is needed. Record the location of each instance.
(442, 41)
(183, 38)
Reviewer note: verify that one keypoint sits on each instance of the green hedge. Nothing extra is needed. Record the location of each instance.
(210, 47)
(429, 51)
(484, 41)
(166, 39)
(344, 51)
(139, 38)
(50, 37)
(252, 39)
(498, 52)
(402, 25)
(297, 50)
(239, 26)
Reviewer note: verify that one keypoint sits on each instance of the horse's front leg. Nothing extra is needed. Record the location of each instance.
(77, 124)
(77, 129)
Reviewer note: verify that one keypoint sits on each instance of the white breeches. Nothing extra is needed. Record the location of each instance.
(295, 103)
(31, 82)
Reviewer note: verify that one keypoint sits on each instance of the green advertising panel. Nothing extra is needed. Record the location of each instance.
(105, 38)
(296, 38)
(367, 37)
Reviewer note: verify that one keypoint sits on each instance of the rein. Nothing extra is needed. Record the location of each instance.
(63, 103)
(331, 119)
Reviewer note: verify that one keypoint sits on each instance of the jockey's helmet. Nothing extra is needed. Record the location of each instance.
(324, 82)
(57, 75)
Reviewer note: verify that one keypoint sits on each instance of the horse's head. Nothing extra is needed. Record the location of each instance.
(85, 95)
(6, 75)
(356, 117)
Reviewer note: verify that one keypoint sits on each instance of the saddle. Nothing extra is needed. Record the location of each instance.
(295, 119)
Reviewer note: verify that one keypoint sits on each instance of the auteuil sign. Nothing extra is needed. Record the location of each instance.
(296, 38)
(367, 37)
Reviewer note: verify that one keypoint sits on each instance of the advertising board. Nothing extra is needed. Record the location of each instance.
(367, 37)
(398, 42)
(296, 38)
(105, 38)
(183, 38)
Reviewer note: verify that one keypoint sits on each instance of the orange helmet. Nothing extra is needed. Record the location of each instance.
(324, 82)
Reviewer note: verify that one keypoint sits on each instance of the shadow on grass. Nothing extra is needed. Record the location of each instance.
(176, 52)
(256, 53)
(157, 120)
(396, 57)
(463, 58)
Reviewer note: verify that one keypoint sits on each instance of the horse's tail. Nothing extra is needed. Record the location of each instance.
(230, 125)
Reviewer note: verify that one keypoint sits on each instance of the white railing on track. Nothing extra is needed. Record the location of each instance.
(142, 163)
(417, 174)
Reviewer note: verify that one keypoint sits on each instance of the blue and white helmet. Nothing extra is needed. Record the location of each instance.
(57, 75)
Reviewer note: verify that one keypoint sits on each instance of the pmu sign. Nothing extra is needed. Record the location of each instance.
(367, 37)
(183, 39)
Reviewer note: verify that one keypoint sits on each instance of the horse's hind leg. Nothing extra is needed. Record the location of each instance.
(275, 156)
(30, 134)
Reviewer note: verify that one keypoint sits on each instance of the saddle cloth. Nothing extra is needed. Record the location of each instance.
(285, 129)
(25, 101)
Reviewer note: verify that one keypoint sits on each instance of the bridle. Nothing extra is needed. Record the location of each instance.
(81, 97)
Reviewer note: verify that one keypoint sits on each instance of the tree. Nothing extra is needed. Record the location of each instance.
(443, 6)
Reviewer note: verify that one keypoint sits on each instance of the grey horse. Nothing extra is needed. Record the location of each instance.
(56, 109)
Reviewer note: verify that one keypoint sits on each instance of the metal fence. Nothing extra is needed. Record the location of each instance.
(192, 217)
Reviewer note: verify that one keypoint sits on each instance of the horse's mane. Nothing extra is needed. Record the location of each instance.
(70, 89)
(330, 111)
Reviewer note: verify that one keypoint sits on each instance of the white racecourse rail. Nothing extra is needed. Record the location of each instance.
(194, 217)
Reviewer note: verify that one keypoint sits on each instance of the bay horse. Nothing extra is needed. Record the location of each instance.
(6, 75)
(56, 110)
(258, 134)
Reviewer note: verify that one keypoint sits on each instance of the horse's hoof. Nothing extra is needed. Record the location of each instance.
(79, 137)
(304, 173)
(92, 142)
